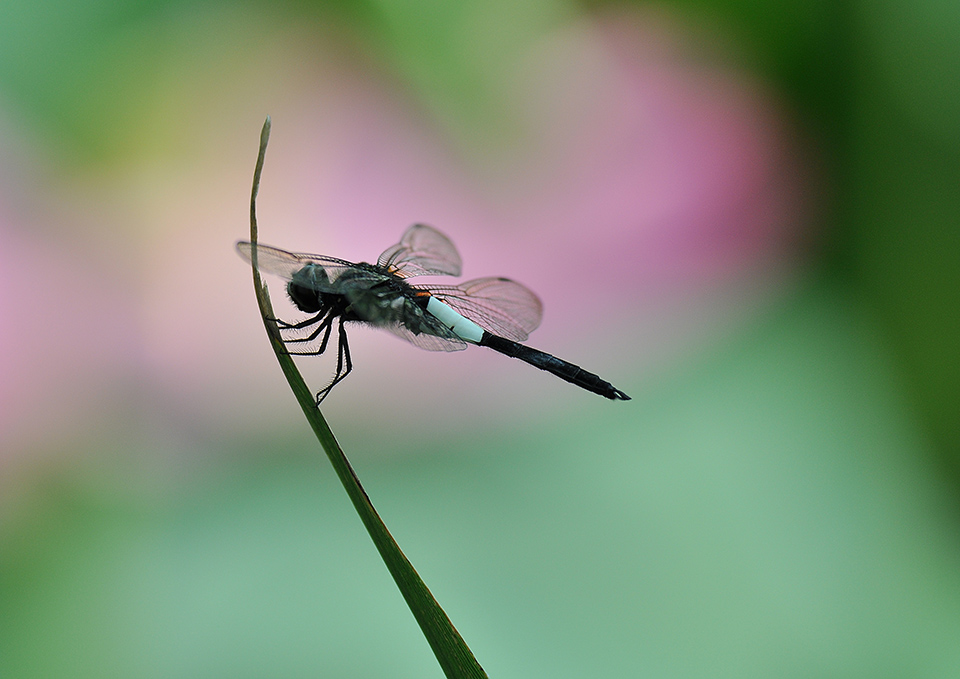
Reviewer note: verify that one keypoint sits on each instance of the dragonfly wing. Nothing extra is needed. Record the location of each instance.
(422, 251)
(500, 305)
(286, 264)
(444, 340)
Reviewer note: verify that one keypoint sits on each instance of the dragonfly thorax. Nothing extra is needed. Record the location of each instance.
(381, 301)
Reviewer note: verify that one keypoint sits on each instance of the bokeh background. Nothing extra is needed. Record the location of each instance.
(744, 214)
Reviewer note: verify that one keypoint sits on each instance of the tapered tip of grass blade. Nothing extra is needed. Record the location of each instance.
(264, 140)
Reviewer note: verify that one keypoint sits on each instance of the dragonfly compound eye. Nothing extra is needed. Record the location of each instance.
(307, 300)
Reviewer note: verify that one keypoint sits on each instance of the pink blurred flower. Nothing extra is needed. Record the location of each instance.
(648, 181)
(646, 185)
(66, 338)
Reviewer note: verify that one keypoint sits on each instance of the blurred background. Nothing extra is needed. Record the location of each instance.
(744, 214)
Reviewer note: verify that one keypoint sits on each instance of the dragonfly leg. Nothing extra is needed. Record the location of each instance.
(344, 363)
(324, 326)
(284, 325)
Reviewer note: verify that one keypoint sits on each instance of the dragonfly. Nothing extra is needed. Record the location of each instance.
(492, 312)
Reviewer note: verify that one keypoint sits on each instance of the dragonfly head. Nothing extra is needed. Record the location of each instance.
(304, 288)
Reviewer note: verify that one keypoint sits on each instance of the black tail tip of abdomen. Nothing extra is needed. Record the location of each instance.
(617, 395)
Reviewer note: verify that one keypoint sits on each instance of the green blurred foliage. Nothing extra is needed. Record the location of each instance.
(67, 75)
(84, 76)
(904, 204)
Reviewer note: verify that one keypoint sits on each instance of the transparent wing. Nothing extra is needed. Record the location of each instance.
(500, 305)
(286, 264)
(422, 251)
(444, 340)
(400, 314)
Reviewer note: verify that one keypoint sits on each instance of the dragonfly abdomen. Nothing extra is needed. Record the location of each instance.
(565, 370)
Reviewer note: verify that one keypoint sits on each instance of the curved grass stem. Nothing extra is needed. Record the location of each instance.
(452, 653)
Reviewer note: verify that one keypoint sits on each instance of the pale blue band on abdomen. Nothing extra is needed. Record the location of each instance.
(465, 329)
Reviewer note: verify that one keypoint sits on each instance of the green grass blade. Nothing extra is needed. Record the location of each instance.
(452, 652)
